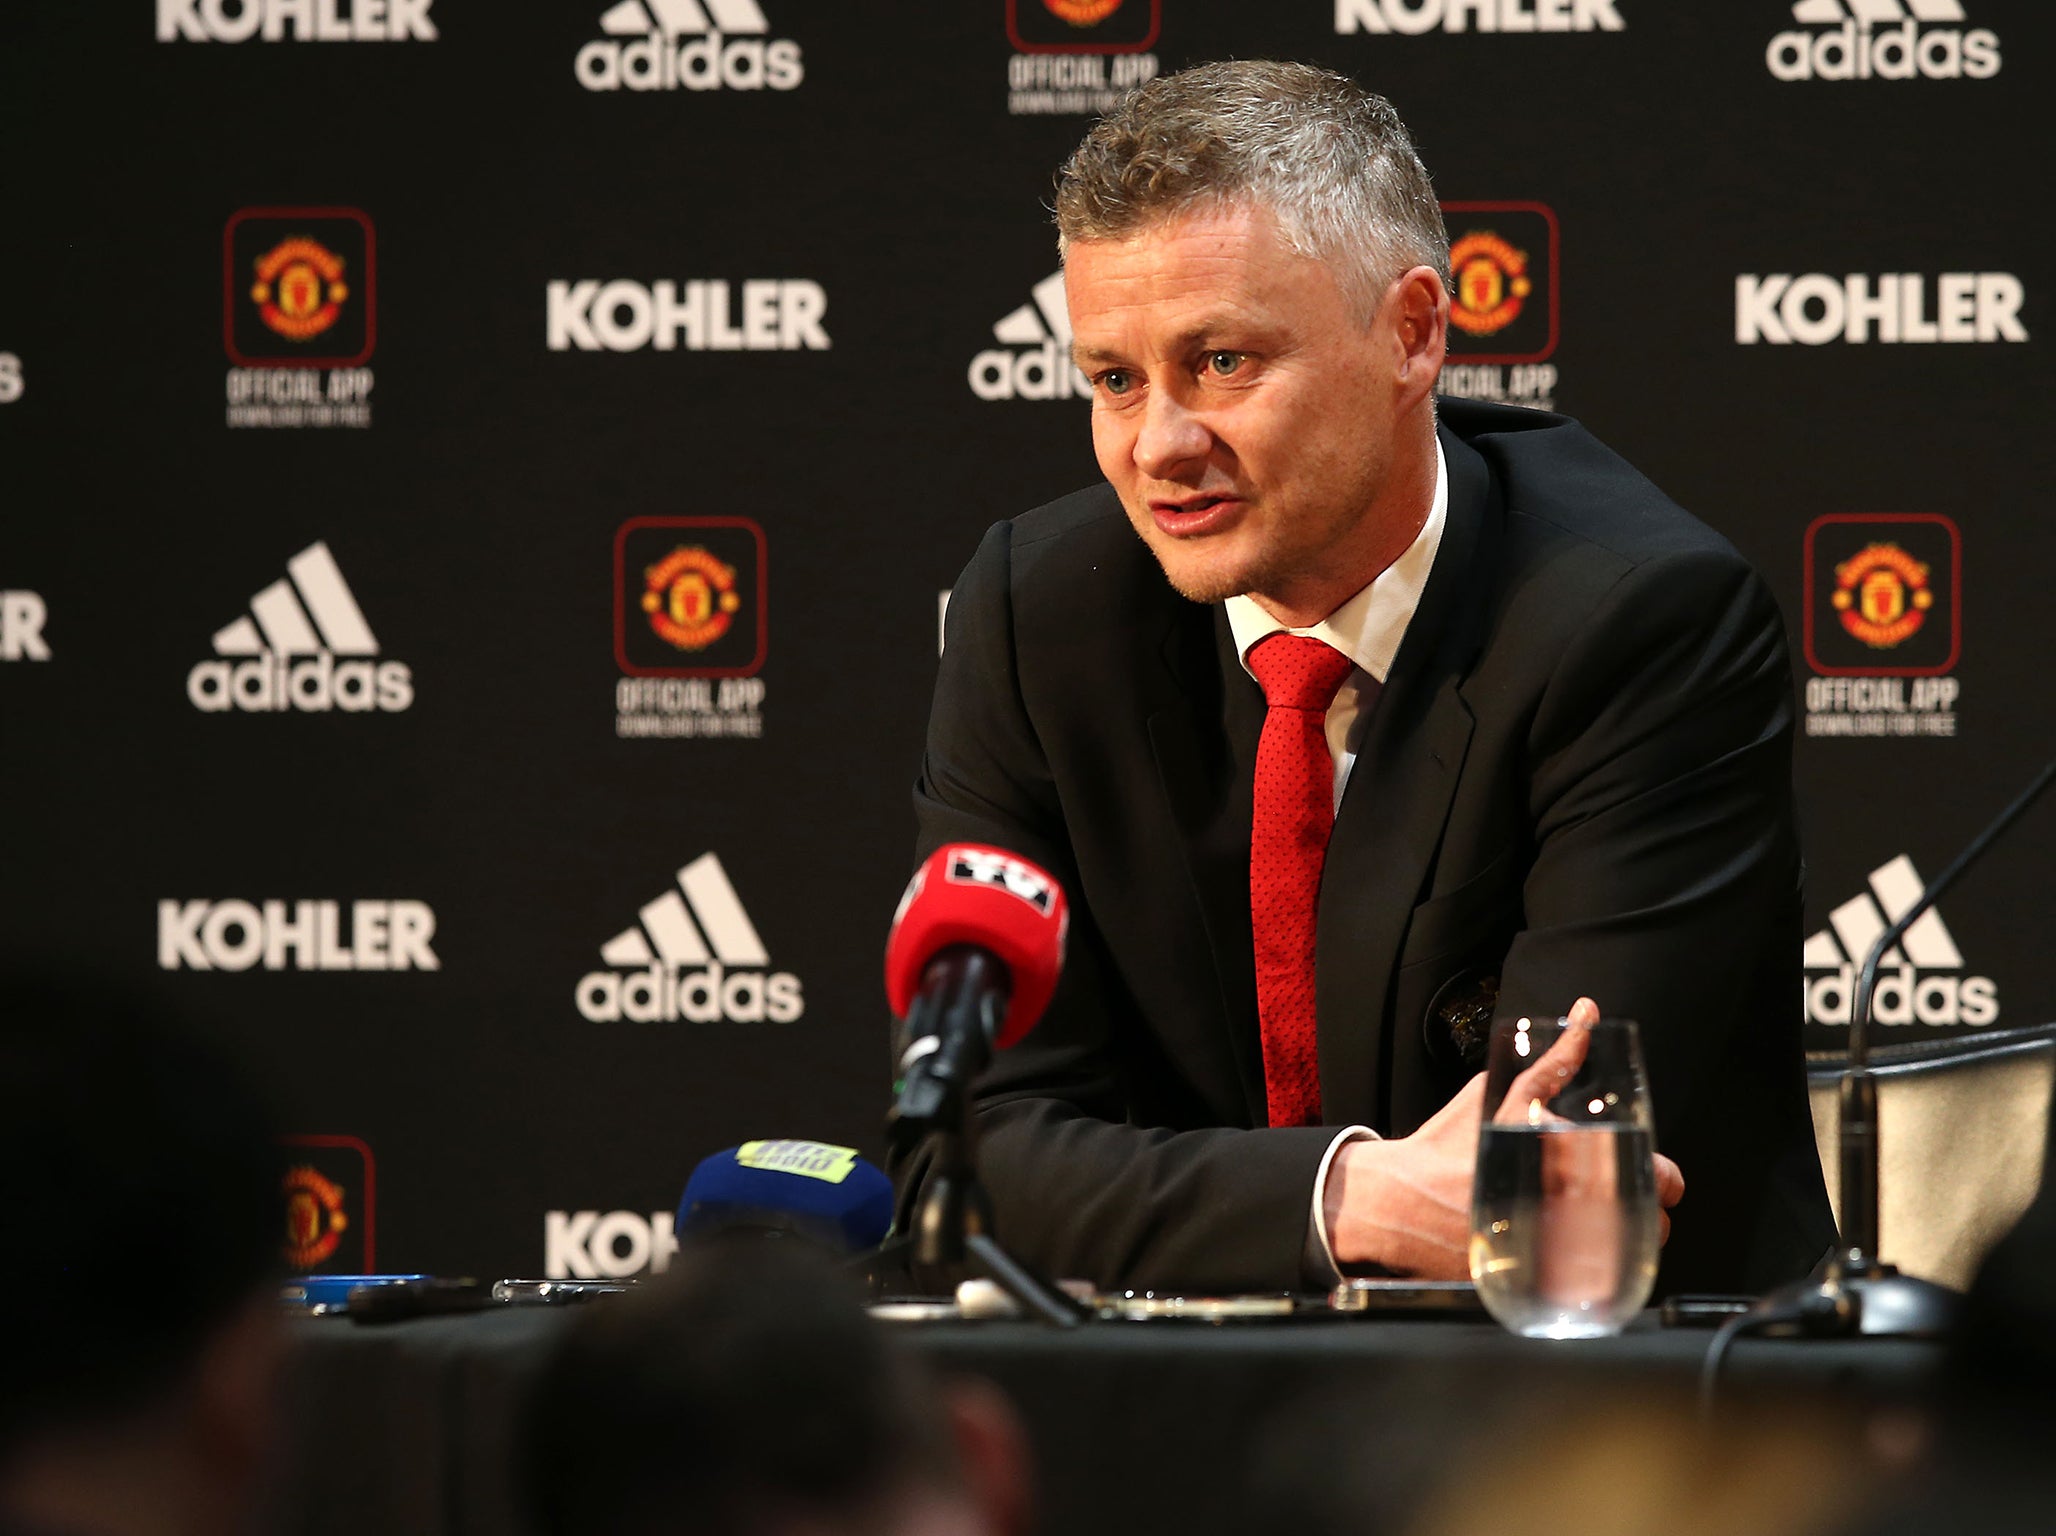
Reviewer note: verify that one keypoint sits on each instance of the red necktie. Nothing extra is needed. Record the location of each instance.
(1295, 810)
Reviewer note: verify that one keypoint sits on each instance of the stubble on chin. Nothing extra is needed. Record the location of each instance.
(1204, 586)
(1196, 580)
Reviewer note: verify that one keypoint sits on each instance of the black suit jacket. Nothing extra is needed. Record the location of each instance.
(1577, 778)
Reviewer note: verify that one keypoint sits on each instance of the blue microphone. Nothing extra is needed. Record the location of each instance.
(824, 1192)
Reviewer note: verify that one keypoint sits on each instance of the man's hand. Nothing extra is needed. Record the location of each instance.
(1405, 1204)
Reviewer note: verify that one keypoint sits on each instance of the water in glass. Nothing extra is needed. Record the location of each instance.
(1564, 1221)
(1564, 1227)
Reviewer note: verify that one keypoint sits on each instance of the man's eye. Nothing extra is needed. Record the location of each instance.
(1223, 363)
(1117, 381)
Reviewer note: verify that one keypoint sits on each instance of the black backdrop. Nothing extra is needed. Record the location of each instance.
(472, 455)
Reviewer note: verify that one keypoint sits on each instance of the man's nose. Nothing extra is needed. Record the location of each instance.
(1172, 437)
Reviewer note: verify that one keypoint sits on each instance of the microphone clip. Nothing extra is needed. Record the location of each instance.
(947, 1041)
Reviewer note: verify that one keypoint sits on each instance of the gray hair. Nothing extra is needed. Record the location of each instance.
(1330, 160)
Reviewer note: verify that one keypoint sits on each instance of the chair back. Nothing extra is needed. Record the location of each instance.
(1962, 1123)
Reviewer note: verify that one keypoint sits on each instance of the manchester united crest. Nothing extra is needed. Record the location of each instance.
(315, 1219)
(330, 1190)
(299, 290)
(1492, 283)
(1085, 27)
(1502, 282)
(1882, 595)
(690, 598)
(1082, 13)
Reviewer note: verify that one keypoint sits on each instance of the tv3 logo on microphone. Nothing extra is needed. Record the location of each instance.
(995, 871)
(694, 956)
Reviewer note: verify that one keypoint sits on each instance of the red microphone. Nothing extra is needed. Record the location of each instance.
(982, 898)
(976, 948)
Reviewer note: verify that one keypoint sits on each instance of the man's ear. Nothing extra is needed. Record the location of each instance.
(992, 1450)
(1420, 317)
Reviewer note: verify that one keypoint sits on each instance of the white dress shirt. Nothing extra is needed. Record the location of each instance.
(1367, 629)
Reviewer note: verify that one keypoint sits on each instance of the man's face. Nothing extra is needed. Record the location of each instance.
(1245, 415)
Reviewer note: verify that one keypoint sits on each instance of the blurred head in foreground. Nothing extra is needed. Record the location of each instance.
(747, 1394)
(1994, 1412)
(139, 1243)
(1555, 1447)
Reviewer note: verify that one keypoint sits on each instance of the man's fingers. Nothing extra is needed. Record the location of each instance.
(1670, 1182)
(1670, 1179)
(1552, 1070)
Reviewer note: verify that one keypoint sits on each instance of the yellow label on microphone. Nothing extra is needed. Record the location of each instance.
(809, 1159)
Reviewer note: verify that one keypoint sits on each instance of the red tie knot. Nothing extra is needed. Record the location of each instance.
(1298, 671)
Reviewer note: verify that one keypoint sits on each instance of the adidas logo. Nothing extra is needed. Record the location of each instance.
(305, 21)
(1883, 40)
(1921, 986)
(725, 48)
(695, 956)
(1039, 367)
(313, 617)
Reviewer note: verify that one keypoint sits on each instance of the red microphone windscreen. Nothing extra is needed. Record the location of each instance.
(990, 899)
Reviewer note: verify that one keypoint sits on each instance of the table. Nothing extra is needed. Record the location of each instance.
(1156, 1426)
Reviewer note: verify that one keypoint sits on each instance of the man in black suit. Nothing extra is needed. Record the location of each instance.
(1555, 708)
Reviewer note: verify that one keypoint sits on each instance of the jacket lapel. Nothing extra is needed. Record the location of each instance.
(1392, 813)
(1205, 739)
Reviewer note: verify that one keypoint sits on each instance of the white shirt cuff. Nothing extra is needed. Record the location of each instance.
(1320, 1252)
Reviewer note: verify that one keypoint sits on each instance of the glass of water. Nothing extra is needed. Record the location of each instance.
(1564, 1224)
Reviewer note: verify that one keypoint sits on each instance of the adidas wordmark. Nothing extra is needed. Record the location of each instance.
(1034, 360)
(695, 956)
(1883, 40)
(724, 48)
(1922, 985)
(283, 654)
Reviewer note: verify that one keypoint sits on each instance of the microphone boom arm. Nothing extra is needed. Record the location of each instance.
(1858, 1107)
(1866, 981)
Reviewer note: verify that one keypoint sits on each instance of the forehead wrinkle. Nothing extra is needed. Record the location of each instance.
(1226, 278)
(1227, 320)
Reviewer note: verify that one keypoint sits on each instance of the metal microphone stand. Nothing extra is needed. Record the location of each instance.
(952, 1228)
(1860, 1293)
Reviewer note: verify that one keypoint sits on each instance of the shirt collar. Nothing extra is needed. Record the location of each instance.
(1368, 628)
